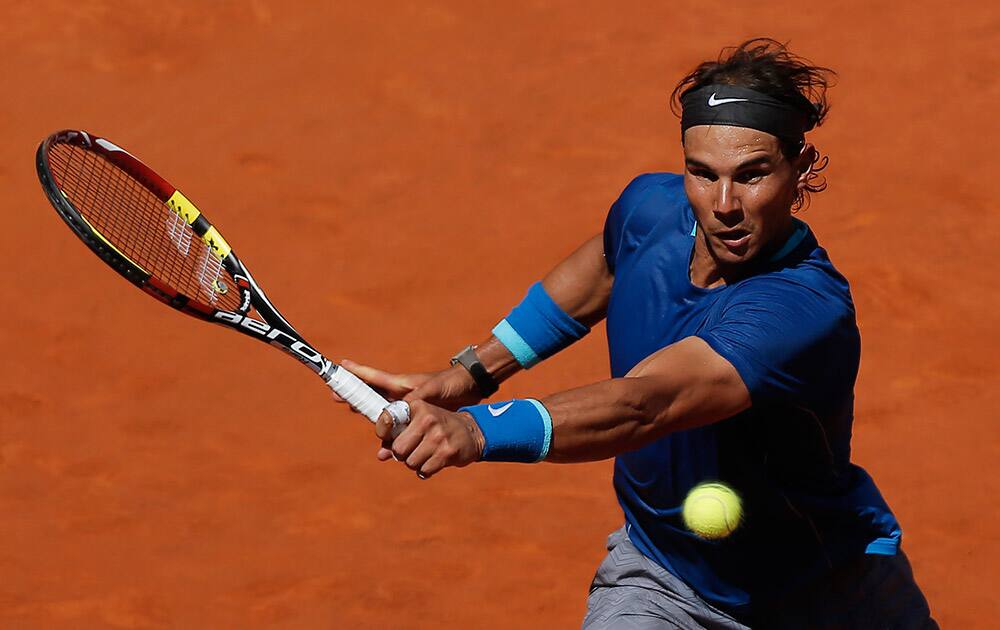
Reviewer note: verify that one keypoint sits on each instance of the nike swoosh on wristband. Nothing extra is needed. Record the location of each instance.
(499, 410)
(712, 101)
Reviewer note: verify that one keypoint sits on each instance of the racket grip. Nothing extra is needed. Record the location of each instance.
(366, 400)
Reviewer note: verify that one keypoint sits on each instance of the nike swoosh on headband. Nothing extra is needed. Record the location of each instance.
(712, 101)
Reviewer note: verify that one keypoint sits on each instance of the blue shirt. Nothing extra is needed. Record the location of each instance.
(791, 333)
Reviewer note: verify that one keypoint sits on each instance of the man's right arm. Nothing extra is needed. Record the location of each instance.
(580, 285)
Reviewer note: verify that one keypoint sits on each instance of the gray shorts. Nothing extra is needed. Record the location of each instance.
(631, 592)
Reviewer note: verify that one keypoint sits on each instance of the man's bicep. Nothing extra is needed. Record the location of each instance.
(702, 385)
(581, 283)
(788, 344)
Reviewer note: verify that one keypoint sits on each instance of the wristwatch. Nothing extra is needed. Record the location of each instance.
(470, 361)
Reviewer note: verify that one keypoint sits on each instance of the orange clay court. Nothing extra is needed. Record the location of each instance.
(156, 472)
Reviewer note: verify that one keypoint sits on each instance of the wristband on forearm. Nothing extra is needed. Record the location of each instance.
(537, 328)
(514, 431)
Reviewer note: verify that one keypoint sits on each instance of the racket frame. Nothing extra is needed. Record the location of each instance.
(274, 329)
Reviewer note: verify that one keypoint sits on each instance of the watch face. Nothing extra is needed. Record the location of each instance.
(467, 357)
(458, 357)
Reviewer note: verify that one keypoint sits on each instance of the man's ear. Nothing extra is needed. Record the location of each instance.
(804, 165)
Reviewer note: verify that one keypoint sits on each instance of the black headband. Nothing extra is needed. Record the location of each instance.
(742, 107)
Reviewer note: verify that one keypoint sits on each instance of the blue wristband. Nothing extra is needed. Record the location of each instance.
(514, 431)
(537, 328)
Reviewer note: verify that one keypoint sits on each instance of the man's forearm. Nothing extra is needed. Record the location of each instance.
(580, 285)
(683, 386)
(497, 359)
(601, 420)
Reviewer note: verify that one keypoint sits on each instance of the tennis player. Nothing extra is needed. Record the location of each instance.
(734, 350)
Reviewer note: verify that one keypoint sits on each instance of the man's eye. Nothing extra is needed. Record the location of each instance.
(703, 174)
(750, 177)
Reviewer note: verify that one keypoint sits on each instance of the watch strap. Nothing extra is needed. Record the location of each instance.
(470, 361)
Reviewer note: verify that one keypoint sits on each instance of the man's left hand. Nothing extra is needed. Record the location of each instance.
(434, 439)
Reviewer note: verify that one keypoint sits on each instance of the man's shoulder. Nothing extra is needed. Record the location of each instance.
(811, 285)
(647, 199)
(650, 202)
(644, 183)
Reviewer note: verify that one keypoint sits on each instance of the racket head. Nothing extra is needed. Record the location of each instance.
(157, 239)
(141, 225)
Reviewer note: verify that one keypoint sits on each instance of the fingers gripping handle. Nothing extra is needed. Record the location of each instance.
(366, 400)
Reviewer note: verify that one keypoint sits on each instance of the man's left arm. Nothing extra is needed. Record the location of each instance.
(682, 386)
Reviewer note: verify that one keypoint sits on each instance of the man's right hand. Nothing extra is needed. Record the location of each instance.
(449, 388)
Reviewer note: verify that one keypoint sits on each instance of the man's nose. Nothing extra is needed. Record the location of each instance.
(726, 203)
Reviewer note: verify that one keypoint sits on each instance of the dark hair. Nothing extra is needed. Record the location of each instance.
(766, 65)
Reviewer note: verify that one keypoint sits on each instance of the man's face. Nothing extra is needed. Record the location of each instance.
(741, 188)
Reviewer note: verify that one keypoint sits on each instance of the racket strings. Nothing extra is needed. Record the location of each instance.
(139, 225)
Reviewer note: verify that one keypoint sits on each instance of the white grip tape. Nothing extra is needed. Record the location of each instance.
(364, 399)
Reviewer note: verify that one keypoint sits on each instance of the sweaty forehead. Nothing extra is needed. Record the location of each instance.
(715, 143)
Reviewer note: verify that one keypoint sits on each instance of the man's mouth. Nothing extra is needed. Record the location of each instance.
(734, 239)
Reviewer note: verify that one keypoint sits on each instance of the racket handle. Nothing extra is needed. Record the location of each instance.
(366, 400)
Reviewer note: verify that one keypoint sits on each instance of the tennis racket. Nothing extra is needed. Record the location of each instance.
(151, 234)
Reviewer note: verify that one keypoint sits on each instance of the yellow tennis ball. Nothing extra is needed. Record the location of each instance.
(712, 510)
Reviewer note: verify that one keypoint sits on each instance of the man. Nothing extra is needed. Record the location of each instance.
(734, 350)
